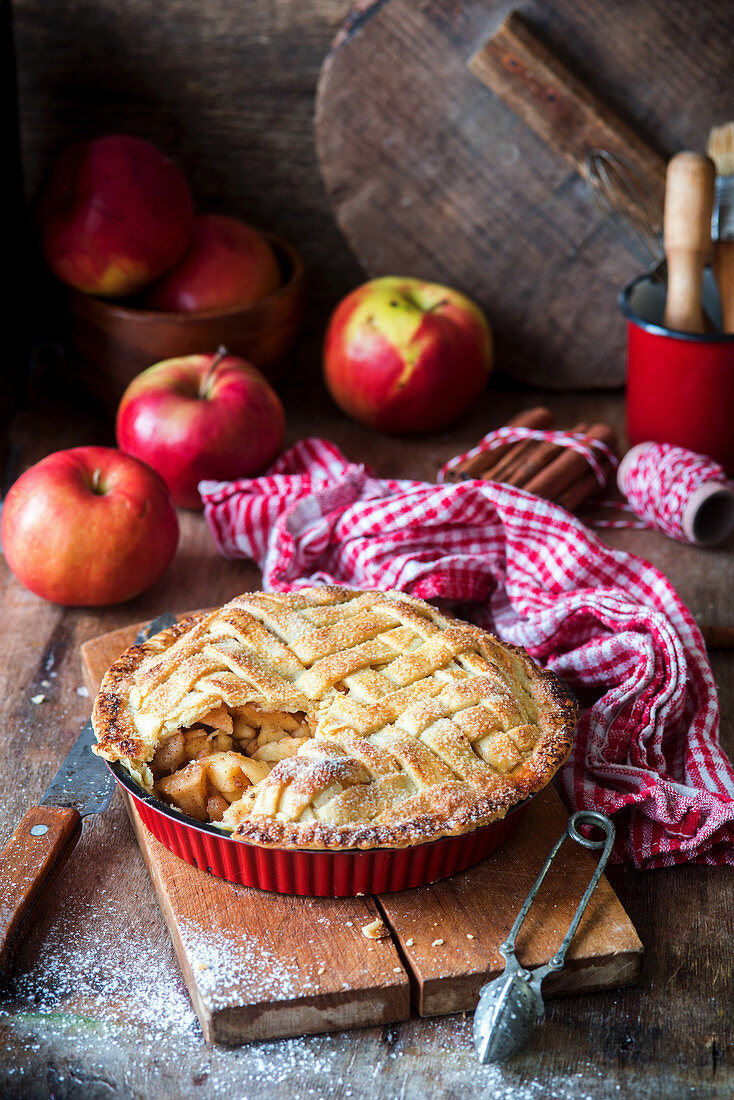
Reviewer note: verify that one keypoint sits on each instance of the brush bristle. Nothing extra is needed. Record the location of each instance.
(721, 148)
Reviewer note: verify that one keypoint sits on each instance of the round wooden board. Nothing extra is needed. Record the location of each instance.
(431, 174)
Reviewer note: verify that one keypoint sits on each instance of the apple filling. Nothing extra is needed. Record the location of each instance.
(203, 769)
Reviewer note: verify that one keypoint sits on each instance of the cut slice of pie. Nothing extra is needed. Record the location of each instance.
(333, 718)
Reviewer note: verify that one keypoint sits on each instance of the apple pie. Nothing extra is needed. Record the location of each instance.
(334, 718)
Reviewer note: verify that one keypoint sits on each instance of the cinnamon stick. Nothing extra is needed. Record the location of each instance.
(569, 467)
(507, 465)
(511, 458)
(583, 487)
(540, 456)
(538, 418)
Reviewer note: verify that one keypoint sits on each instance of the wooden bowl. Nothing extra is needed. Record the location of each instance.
(112, 342)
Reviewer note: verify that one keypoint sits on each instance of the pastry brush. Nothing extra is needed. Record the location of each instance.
(721, 151)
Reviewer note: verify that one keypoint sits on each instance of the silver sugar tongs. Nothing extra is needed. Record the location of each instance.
(510, 1004)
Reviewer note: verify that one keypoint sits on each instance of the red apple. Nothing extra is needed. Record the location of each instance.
(88, 527)
(114, 214)
(228, 264)
(404, 356)
(198, 418)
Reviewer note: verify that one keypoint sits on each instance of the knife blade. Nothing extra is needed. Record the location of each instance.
(83, 782)
(48, 833)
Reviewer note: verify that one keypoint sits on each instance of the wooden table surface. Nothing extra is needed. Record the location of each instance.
(97, 1007)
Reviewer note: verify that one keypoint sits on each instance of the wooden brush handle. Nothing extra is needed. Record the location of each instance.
(40, 845)
(723, 264)
(689, 200)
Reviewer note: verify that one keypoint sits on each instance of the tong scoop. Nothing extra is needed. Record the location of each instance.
(510, 1004)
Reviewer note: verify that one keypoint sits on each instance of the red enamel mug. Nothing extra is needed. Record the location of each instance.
(680, 386)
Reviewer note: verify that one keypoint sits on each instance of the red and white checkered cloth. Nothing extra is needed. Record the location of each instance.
(647, 751)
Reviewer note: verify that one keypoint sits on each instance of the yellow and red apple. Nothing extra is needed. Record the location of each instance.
(89, 527)
(402, 355)
(228, 264)
(201, 417)
(114, 215)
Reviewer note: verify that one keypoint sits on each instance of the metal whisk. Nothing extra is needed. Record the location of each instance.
(624, 201)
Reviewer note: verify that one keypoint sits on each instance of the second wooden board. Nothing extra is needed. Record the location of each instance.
(449, 933)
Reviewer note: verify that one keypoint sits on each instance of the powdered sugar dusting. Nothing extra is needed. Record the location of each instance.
(225, 964)
(75, 973)
(419, 1058)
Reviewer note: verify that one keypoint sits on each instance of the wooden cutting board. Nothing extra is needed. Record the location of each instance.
(431, 173)
(262, 965)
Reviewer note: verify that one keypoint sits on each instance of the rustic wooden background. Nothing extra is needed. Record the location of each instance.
(225, 87)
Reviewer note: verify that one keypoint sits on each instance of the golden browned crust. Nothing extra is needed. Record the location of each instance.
(425, 726)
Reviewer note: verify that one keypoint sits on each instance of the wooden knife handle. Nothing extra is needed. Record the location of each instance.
(40, 845)
(558, 106)
(689, 202)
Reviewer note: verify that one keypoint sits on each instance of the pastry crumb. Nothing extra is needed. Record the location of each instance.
(36, 699)
(321, 970)
(376, 930)
(437, 943)
(409, 943)
(202, 966)
(469, 936)
(397, 970)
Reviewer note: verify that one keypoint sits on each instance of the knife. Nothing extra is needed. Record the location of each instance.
(48, 833)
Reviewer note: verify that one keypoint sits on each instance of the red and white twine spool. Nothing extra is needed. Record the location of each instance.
(686, 495)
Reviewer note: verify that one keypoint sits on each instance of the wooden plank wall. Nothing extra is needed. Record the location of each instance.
(225, 87)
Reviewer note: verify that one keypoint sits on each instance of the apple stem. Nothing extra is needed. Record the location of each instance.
(206, 381)
(97, 481)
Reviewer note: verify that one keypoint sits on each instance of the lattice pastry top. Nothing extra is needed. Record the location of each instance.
(330, 718)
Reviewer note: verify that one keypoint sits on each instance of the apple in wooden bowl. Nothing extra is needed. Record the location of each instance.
(228, 264)
(113, 215)
(115, 341)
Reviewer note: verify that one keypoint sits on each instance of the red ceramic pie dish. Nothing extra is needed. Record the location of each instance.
(333, 874)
